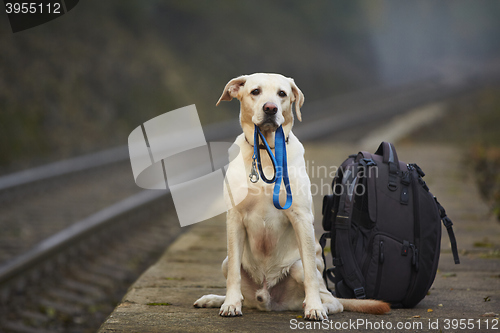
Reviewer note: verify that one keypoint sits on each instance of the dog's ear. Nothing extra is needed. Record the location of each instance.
(298, 98)
(232, 88)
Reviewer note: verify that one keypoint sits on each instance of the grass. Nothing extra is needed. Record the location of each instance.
(159, 304)
(483, 244)
(494, 254)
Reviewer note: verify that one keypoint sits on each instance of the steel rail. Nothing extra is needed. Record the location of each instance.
(76, 233)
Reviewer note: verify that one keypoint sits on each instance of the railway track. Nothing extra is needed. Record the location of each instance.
(77, 233)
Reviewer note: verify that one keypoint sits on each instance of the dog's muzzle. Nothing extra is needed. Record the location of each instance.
(268, 124)
(269, 121)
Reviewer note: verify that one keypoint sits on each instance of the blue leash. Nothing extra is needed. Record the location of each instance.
(279, 164)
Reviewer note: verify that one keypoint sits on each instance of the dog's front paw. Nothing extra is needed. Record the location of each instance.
(315, 311)
(232, 305)
(229, 309)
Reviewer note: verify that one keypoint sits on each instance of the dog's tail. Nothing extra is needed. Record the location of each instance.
(370, 306)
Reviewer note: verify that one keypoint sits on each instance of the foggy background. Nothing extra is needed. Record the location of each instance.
(82, 82)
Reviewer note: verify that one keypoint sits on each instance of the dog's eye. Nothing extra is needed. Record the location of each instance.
(255, 92)
(281, 93)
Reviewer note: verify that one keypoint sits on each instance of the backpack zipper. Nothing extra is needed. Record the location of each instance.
(416, 232)
(379, 270)
(414, 259)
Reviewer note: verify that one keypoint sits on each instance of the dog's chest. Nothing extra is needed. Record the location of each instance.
(265, 230)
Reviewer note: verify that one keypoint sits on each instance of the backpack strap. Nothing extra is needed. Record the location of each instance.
(448, 224)
(327, 273)
(343, 248)
(365, 160)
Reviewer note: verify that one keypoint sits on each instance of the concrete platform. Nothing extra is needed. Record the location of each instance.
(161, 300)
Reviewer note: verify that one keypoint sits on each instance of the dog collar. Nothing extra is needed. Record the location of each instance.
(261, 146)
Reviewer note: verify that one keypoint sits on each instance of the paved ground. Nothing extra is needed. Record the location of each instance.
(161, 300)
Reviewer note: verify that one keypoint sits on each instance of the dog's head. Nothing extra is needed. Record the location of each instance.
(266, 101)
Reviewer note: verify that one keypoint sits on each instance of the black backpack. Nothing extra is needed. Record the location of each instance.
(385, 229)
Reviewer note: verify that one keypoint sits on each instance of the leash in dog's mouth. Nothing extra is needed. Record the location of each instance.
(280, 165)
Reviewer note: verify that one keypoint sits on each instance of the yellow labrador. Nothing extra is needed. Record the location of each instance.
(273, 260)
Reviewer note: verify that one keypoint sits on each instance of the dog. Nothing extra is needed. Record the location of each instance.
(273, 260)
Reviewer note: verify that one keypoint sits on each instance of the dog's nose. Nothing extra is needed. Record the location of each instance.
(270, 108)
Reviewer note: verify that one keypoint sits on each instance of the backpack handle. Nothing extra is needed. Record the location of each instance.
(388, 152)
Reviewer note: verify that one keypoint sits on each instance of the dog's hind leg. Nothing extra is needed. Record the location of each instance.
(209, 301)
(212, 301)
(255, 296)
